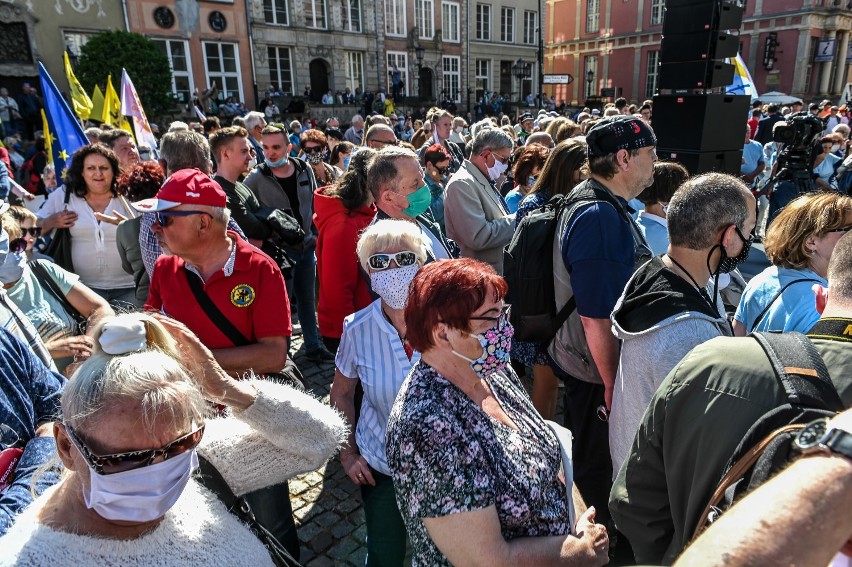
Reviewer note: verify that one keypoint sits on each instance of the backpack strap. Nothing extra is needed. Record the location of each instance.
(763, 313)
(216, 316)
(800, 369)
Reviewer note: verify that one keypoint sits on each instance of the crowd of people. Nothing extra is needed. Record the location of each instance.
(149, 299)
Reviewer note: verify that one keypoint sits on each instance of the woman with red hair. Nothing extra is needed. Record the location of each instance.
(475, 467)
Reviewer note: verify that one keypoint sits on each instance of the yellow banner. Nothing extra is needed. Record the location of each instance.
(81, 101)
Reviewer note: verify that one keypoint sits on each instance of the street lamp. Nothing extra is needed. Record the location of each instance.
(590, 78)
(418, 54)
(521, 70)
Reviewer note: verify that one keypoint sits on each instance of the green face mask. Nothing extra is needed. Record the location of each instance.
(418, 202)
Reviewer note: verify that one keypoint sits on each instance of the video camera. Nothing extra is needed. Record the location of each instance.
(801, 132)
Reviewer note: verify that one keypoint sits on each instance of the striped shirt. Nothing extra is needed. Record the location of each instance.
(372, 352)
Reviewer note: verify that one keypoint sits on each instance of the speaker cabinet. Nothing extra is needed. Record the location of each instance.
(695, 75)
(705, 162)
(700, 122)
(698, 46)
(692, 17)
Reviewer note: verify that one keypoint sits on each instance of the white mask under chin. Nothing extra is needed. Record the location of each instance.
(392, 284)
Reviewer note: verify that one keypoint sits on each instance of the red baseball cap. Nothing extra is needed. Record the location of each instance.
(185, 187)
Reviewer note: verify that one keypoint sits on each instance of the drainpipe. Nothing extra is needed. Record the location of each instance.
(124, 11)
(251, 53)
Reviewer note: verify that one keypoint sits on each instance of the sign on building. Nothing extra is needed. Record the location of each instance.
(825, 51)
(565, 79)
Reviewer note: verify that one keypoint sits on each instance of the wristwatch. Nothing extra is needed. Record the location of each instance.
(818, 437)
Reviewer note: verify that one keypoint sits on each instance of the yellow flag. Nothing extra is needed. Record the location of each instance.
(112, 109)
(82, 102)
(48, 137)
(97, 104)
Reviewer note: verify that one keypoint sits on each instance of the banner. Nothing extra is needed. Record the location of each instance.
(97, 112)
(743, 83)
(63, 131)
(82, 102)
(112, 109)
(132, 106)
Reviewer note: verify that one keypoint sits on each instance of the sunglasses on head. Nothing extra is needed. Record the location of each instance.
(312, 149)
(122, 462)
(164, 217)
(402, 259)
(34, 231)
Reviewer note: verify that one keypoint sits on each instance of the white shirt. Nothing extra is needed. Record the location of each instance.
(94, 251)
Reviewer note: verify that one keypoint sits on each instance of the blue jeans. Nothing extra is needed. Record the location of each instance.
(302, 291)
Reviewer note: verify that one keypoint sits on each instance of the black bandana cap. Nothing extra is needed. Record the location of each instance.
(619, 133)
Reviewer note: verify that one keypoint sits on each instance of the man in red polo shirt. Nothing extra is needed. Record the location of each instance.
(246, 320)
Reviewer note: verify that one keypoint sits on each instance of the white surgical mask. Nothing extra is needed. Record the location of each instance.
(499, 167)
(253, 163)
(143, 494)
(835, 147)
(12, 267)
(392, 284)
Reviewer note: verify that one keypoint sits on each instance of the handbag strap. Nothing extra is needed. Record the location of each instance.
(47, 283)
(216, 316)
(67, 197)
(763, 313)
(564, 437)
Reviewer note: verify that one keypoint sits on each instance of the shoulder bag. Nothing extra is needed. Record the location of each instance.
(60, 245)
(47, 283)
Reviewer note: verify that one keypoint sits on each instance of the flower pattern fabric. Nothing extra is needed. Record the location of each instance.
(448, 456)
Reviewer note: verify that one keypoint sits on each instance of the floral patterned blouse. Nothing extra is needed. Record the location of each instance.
(449, 456)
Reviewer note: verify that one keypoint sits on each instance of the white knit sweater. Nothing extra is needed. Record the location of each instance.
(284, 433)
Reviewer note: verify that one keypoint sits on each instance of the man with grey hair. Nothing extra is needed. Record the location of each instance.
(94, 134)
(666, 308)
(355, 133)
(380, 135)
(395, 180)
(254, 123)
(475, 213)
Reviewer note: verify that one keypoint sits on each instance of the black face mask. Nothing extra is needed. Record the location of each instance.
(728, 263)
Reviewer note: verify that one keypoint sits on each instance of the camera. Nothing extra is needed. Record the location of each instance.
(801, 131)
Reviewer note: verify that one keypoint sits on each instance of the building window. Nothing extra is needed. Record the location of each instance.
(395, 17)
(354, 71)
(483, 77)
(530, 25)
(657, 11)
(400, 59)
(450, 21)
(591, 64)
(652, 73)
(507, 25)
(280, 69)
(424, 16)
(452, 84)
(314, 13)
(178, 55)
(222, 64)
(593, 15)
(483, 22)
(75, 41)
(352, 15)
(275, 12)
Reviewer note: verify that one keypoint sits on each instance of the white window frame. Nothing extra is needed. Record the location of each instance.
(223, 74)
(593, 15)
(311, 18)
(395, 18)
(483, 28)
(281, 85)
(274, 5)
(451, 21)
(185, 74)
(348, 20)
(530, 27)
(452, 76)
(657, 11)
(507, 24)
(483, 74)
(652, 73)
(424, 21)
(401, 59)
(354, 70)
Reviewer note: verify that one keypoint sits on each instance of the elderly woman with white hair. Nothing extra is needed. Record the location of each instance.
(135, 423)
(373, 352)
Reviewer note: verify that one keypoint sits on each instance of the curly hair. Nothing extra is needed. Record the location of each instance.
(142, 181)
(74, 174)
(315, 136)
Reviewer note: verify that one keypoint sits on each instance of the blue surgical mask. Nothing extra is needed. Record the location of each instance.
(531, 181)
(346, 162)
(280, 163)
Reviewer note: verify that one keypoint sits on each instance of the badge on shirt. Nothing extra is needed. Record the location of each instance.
(242, 295)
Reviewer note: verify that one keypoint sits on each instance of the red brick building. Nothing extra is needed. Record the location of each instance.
(616, 43)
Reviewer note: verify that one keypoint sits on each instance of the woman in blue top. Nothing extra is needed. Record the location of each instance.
(374, 352)
(826, 162)
(528, 163)
(799, 243)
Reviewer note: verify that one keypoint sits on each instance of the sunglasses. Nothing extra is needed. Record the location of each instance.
(502, 319)
(842, 229)
(122, 462)
(382, 261)
(164, 217)
(313, 149)
(17, 246)
(443, 170)
(34, 231)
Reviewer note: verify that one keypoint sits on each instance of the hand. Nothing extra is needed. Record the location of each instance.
(608, 397)
(115, 219)
(29, 196)
(594, 536)
(357, 468)
(80, 347)
(64, 219)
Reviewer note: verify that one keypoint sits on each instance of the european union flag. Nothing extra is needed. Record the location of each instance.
(66, 134)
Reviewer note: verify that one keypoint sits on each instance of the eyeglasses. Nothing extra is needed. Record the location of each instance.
(500, 158)
(122, 462)
(17, 246)
(164, 217)
(502, 319)
(386, 143)
(382, 261)
(34, 231)
(312, 149)
(842, 229)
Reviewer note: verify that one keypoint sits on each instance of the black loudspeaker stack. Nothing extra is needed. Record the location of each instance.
(704, 132)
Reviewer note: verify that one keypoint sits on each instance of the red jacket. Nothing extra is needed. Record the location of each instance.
(343, 289)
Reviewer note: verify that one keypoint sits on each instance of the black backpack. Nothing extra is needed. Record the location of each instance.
(528, 269)
(768, 445)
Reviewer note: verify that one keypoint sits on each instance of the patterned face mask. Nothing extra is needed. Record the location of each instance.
(496, 345)
(392, 284)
